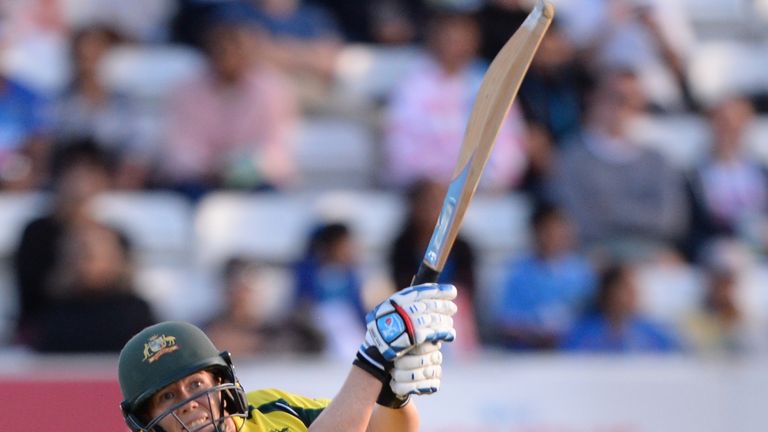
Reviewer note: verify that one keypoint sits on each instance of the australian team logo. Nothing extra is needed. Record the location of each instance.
(391, 326)
(159, 345)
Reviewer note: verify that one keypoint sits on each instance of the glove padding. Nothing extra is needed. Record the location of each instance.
(416, 315)
(418, 372)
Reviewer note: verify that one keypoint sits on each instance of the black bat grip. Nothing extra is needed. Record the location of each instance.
(425, 274)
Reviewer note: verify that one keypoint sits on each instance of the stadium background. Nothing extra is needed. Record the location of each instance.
(179, 245)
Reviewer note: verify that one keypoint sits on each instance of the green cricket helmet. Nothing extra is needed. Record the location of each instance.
(164, 353)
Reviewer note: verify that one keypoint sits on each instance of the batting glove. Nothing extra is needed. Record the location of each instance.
(418, 372)
(416, 315)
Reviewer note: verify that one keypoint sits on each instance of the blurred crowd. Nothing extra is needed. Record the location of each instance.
(604, 204)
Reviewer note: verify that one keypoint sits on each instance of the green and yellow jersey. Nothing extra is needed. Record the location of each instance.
(273, 410)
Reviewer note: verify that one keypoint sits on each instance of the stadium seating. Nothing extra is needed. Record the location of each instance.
(334, 152)
(721, 67)
(682, 139)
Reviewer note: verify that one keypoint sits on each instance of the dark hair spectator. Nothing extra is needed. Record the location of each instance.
(729, 186)
(616, 324)
(93, 305)
(625, 198)
(246, 327)
(89, 109)
(380, 22)
(429, 110)
(553, 99)
(424, 201)
(720, 326)
(329, 286)
(80, 175)
(547, 289)
(231, 127)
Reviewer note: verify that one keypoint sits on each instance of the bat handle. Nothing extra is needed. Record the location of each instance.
(426, 274)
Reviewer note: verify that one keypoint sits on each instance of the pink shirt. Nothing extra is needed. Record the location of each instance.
(425, 128)
(213, 126)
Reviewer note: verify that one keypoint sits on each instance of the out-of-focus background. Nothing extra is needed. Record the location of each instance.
(271, 169)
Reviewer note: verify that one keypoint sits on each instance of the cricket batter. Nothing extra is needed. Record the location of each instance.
(173, 378)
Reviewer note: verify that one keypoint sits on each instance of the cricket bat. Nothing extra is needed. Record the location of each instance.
(494, 98)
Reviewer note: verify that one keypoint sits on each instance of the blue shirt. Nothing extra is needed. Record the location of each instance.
(306, 23)
(546, 295)
(319, 283)
(21, 115)
(636, 334)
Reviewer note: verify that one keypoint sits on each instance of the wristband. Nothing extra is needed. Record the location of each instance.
(389, 399)
(371, 361)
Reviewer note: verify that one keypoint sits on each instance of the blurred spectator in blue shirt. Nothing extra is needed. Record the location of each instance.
(616, 325)
(24, 145)
(329, 287)
(545, 291)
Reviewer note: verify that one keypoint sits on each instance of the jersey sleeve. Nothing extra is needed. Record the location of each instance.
(304, 408)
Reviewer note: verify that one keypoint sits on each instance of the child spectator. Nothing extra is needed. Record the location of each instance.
(329, 287)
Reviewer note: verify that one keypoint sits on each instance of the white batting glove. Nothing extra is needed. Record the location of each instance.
(418, 372)
(416, 315)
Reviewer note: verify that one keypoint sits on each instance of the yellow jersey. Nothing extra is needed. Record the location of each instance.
(273, 410)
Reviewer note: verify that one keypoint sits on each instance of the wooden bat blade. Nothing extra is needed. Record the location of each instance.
(494, 98)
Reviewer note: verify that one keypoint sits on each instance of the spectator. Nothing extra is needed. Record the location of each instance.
(88, 109)
(729, 188)
(80, 175)
(429, 111)
(190, 17)
(499, 20)
(244, 324)
(616, 325)
(384, 22)
(552, 97)
(424, 203)
(94, 307)
(650, 37)
(232, 126)
(544, 292)
(329, 287)
(625, 199)
(720, 327)
(24, 142)
(304, 42)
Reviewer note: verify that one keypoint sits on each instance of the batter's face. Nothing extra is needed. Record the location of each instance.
(196, 415)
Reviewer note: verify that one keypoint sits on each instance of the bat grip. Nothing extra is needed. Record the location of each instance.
(425, 274)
